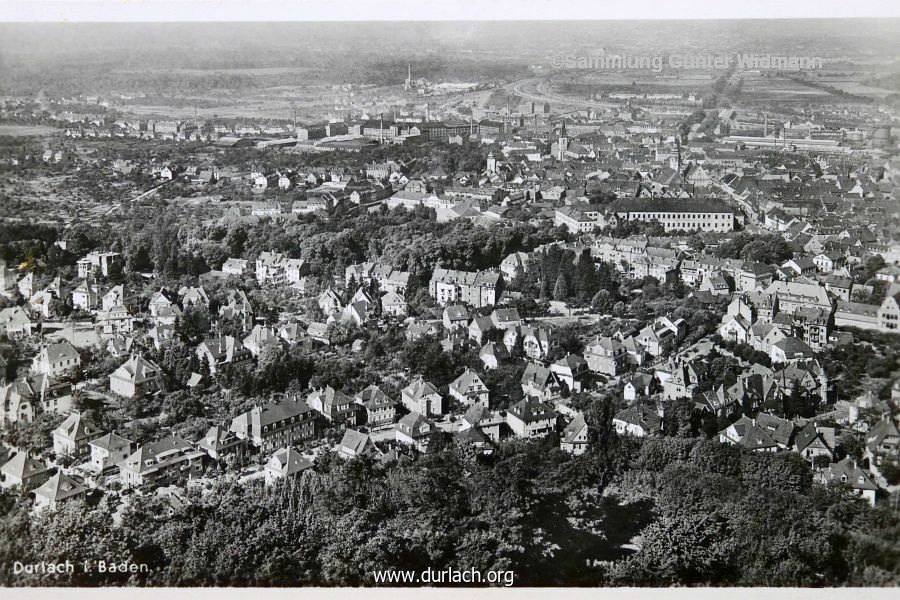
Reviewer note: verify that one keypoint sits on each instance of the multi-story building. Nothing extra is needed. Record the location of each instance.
(277, 424)
(380, 409)
(889, 311)
(56, 359)
(73, 435)
(414, 430)
(531, 418)
(334, 405)
(164, 462)
(422, 397)
(678, 214)
(270, 268)
(477, 289)
(108, 451)
(580, 218)
(389, 280)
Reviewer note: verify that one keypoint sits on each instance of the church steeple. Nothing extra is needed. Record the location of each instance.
(563, 142)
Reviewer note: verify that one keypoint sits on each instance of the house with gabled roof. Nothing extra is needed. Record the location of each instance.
(418, 330)
(635, 352)
(414, 430)
(605, 355)
(479, 328)
(455, 316)
(393, 304)
(162, 462)
(883, 440)
(815, 442)
(506, 318)
(491, 354)
(537, 341)
(539, 381)
(791, 349)
(531, 418)
(56, 359)
(469, 389)
(481, 417)
(746, 433)
(285, 463)
(638, 420)
(58, 489)
(780, 430)
(261, 338)
(380, 410)
(422, 397)
(20, 400)
(193, 296)
(219, 441)
(571, 370)
(641, 384)
(474, 438)
(685, 378)
(847, 472)
(136, 375)
(222, 351)
(73, 435)
(21, 470)
(163, 308)
(335, 406)
(717, 402)
(330, 301)
(574, 438)
(355, 444)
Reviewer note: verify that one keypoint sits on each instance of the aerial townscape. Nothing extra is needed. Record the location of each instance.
(293, 304)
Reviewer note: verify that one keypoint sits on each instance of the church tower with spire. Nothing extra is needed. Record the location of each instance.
(563, 142)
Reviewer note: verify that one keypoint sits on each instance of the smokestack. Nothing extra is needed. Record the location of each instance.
(766, 126)
(381, 128)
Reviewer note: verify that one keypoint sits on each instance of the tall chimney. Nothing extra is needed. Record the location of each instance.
(381, 128)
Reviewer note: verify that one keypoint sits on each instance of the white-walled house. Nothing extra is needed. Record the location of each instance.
(136, 375)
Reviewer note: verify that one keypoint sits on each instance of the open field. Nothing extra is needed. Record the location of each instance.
(26, 130)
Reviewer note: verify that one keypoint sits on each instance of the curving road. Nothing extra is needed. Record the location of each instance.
(538, 90)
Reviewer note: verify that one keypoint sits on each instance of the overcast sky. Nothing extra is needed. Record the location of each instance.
(399, 10)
